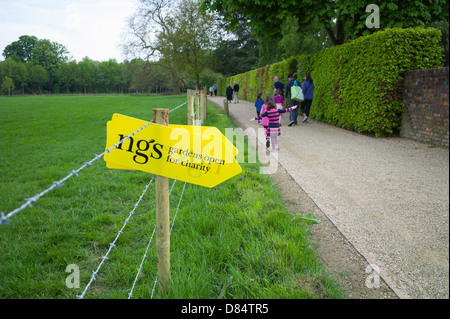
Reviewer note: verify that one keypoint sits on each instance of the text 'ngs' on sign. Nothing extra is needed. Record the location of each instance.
(194, 154)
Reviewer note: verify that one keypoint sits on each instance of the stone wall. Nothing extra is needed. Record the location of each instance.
(426, 99)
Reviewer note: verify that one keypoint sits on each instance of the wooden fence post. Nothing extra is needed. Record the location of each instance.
(197, 105)
(190, 109)
(203, 108)
(161, 117)
(225, 107)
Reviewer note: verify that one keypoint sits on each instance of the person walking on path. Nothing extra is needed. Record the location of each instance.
(278, 85)
(258, 105)
(265, 120)
(273, 130)
(278, 98)
(215, 89)
(293, 115)
(236, 92)
(229, 93)
(308, 89)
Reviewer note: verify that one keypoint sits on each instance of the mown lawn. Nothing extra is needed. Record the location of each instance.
(237, 240)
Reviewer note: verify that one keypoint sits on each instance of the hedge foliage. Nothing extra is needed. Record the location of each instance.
(259, 80)
(358, 85)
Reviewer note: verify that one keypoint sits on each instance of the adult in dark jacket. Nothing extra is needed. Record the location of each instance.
(236, 92)
(277, 85)
(308, 90)
(293, 115)
(229, 92)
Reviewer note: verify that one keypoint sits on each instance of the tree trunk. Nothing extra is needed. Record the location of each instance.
(198, 81)
(175, 81)
(339, 37)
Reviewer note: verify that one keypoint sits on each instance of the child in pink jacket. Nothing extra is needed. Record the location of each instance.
(273, 129)
(279, 100)
(265, 120)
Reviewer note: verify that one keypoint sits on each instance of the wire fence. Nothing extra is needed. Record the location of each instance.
(113, 243)
(30, 201)
(4, 219)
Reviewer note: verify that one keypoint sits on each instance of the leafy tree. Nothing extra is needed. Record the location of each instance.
(65, 75)
(209, 77)
(129, 68)
(443, 26)
(295, 41)
(7, 85)
(197, 37)
(22, 49)
(30, 49)
(140, 81)
(37, 77)
(141, 40)
(22, 76)
(43, 52)
(110, 72)
(174, 34)
(159, 79)
(342, 20)
(17, 71)
(49, 54)
(85, 75)
(237, 52)
(10, 68)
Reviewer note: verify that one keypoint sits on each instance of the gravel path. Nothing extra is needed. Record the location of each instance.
(389, 197)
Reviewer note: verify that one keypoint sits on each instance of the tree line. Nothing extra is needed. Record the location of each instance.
(172, 45)
(89, 76)
(34, 66)
(86, 76)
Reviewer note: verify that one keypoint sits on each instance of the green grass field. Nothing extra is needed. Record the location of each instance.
(237, 240)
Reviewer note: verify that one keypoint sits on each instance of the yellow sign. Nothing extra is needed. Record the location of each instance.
(193, 154)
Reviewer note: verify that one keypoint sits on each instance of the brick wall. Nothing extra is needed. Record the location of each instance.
(426, 115)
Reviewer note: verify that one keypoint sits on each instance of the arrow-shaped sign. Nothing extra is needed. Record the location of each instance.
(193, 154)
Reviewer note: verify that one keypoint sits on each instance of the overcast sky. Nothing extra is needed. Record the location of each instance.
(85, 27)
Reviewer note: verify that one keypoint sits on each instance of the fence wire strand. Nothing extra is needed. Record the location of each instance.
(30, 201)
(113, 244)
(176, 108)
(173, 222)
(146, 250)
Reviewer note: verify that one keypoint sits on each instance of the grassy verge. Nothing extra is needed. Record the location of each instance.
(236, 240)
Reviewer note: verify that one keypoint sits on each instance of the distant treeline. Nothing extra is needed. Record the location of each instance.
(85, 76)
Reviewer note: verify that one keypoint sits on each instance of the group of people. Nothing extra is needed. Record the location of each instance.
(233, 92)
(270, 109)
(213, 89)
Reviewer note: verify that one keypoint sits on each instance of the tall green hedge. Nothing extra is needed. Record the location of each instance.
(358, 85)
(259, 80)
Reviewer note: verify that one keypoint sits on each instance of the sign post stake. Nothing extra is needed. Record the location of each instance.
(161, 117)
(190, 109)
(204, 101)
(225, 107)
(197, 106)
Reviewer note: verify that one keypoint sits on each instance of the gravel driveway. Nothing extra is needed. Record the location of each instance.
(389, 197)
